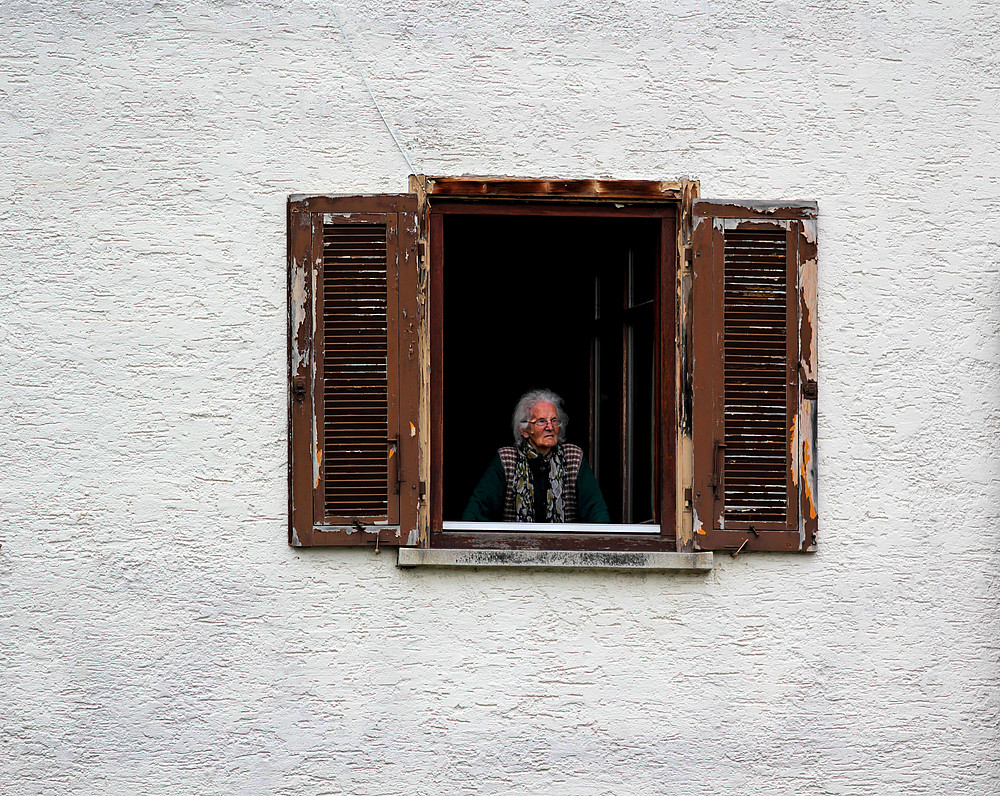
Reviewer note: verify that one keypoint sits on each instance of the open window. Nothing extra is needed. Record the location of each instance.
(569, 296)
(681, 334)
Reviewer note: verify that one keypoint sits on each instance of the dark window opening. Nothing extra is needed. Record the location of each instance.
(564, 302)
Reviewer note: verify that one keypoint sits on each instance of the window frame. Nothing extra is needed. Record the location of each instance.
(607, 199)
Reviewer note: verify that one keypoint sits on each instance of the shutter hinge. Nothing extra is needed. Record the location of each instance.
(299, 388)
(421, 250)
(810, 389)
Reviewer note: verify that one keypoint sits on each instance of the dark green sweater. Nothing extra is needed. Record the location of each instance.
(487, 499)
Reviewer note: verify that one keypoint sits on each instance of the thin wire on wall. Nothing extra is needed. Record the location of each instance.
(371, 94)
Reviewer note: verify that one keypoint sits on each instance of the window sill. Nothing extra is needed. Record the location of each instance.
(555, 559)
(601, 528)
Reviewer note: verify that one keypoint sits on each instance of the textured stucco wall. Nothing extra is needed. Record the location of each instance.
(156, 633)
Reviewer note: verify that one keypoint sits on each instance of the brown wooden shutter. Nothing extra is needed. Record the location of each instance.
(353, 370)
(754, 375)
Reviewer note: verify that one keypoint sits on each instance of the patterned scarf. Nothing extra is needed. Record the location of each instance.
(524, 488)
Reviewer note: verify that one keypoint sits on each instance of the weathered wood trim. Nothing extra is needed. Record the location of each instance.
(764, 210)
(493, 540)
(684, 451)
(806, 429)
(305, 218)
(711, 219)
(549, 188)
(407, 321)
(435, 224)
(300, 376)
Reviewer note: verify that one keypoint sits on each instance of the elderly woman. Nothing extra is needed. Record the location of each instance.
(541, 478)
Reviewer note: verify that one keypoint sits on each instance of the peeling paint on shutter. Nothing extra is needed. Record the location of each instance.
(354, 375)
(753, 375)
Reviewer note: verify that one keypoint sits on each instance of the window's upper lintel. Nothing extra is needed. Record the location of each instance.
(552, 188)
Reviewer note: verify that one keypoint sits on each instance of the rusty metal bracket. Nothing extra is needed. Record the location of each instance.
(396, 451)
(714, 481)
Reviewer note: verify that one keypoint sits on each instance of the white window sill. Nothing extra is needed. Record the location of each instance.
(550, 527)
(555, 559)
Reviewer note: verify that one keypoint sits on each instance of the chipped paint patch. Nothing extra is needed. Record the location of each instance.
(809, 231)
(699, 526)
(808, 277)
(793, 448)
(807, 467)
(300, 355)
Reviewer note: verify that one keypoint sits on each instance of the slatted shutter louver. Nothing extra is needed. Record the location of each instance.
(355, 447)
(755, 409)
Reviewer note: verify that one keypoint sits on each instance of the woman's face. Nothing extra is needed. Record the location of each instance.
(543, 437)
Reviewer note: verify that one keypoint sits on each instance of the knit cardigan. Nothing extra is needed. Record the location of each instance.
(493, 498)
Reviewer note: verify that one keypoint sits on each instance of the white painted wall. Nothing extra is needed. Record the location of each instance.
(156, 633)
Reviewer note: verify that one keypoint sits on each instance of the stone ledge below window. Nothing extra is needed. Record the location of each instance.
(555, 559)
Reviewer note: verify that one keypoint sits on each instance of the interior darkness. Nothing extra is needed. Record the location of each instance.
(557, 302)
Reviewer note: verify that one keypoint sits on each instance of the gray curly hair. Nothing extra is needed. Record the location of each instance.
(522, 412)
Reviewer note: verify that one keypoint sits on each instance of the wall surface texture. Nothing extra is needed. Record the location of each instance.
(157, 634)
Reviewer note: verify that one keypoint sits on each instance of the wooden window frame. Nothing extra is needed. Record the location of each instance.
(561, 204)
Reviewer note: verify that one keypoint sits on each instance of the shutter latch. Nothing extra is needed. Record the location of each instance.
(299, 389)
(713, 480)
(393, 443)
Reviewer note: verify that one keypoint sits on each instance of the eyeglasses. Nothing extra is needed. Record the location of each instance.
(542, 422)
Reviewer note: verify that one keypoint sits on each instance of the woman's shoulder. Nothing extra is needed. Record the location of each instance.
(507, 456)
